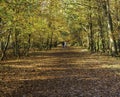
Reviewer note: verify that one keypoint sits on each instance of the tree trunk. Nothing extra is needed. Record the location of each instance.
(101, 33)
(17, 53)
(91, 34)
(27, 48)
(117, 13)
(90, 22)
(47, 43)
(113, 44)
(51, 40)
(5, 48)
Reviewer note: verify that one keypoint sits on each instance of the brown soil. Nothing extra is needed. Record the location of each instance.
(68, 72)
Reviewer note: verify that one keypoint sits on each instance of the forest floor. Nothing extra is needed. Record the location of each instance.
(68, 72)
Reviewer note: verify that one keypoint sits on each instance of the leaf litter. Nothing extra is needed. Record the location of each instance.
(68, 72)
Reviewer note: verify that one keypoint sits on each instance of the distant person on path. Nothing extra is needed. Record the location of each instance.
(63, 44)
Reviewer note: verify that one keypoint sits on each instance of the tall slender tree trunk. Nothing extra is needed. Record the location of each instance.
(27, 48)
(91, 42)
(91, 35)
(6, 46)
(51, 40)
(117, 13)
(47, 43)
(29, 42)
(16, 49)
(51, 34)
(101, 33)
(113, 44)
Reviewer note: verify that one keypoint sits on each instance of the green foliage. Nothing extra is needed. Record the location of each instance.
(47, 21)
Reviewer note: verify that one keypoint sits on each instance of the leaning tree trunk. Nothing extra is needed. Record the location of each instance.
(5, 48)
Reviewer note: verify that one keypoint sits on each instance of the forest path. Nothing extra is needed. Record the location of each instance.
(61, 72)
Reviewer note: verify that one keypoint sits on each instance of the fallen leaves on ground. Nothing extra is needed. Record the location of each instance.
(68, 72)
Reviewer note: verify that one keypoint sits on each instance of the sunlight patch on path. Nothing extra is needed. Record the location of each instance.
(84, 50)
(20, 66)
(51, 68)
(115, 66)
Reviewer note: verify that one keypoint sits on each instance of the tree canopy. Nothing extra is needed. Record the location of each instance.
(25, 24)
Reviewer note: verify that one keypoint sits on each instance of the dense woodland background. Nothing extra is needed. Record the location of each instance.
(30, 25)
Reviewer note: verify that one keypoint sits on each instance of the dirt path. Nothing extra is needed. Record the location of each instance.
(69, 72)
